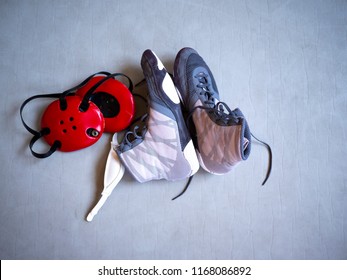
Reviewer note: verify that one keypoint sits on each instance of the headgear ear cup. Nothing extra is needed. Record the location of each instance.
(74, 121)
(113, 98)
(63, 125)
(73, 128)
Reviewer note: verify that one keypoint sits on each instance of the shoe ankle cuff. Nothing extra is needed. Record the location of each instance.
(245, 136)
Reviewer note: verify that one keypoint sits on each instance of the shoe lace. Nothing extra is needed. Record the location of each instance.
(269, 167)
(222, 113)
(138, 132)
(138, 127)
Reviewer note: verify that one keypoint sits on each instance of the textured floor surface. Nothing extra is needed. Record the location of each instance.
(283, 63)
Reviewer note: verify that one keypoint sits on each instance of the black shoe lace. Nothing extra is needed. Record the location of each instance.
(138, 132)
(221, 112)
(268, 172)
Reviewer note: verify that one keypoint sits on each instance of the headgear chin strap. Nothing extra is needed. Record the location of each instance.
(74, 121)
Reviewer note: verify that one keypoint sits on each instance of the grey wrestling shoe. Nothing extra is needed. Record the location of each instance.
(221, 136)
(159, 146)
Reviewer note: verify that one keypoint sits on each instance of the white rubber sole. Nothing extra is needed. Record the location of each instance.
(202, 164)
(190, 155)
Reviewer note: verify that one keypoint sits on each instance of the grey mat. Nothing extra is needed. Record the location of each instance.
(284, 63)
